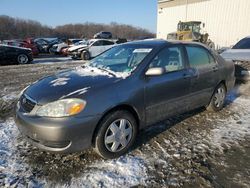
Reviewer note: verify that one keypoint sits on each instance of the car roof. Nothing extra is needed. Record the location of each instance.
(162, 42)
(94, 40)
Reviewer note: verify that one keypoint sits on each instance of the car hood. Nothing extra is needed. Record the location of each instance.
(71, 49)
(237, 54)
(70, 84)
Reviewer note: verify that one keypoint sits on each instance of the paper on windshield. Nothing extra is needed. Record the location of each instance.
(142, 50)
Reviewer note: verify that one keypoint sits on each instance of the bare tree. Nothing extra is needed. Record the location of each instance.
(13, 28)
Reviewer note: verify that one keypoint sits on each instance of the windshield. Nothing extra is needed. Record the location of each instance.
(194, 27)
(123, 59)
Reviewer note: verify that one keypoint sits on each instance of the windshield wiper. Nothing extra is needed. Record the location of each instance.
(108, 71)
(100, 68)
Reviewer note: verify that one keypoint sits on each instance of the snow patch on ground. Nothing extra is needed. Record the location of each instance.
(126, 171)
(15, 171)
(234, 128)
(10, 97)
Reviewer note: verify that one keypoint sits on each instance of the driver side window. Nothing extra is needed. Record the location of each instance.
(170, 59)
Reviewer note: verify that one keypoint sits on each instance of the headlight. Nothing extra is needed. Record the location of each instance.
(238, 62)
(62, 108)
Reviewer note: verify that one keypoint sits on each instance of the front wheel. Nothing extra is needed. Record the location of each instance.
(85, 55)
(218, 99)
(116, 134)
(22, 59)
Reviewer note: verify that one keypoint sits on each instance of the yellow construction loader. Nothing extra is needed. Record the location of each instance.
(191, 31)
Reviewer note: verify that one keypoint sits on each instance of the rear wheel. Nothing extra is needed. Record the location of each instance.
(22, 59)
(85, 55)
(116, 134)
(218, 99)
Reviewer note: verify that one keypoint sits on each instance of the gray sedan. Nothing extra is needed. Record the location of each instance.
(105, 103)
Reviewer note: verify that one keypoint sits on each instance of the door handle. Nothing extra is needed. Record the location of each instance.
(215, 69)
(186, 76)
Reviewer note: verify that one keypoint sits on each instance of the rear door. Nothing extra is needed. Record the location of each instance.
(165, 95)
(206, 78)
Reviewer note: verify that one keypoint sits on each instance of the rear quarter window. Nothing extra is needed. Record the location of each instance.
(199, 57)
(105, 43)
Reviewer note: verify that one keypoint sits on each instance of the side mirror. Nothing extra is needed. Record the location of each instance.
(157, 71)
(203, 25)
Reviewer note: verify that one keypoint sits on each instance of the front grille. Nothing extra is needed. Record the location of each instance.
(243, 64)
(27, 103)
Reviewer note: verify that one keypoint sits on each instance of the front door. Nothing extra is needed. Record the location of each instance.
(165, 95)
(96, 48)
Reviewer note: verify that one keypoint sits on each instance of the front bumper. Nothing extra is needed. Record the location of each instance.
(61, 135)
(242, 70)
(74, 55)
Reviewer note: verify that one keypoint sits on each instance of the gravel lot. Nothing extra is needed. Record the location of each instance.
(196, 149)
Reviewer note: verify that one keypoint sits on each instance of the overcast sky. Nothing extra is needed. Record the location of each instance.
(140, 13)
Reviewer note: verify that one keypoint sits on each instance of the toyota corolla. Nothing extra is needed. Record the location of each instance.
(105, 103)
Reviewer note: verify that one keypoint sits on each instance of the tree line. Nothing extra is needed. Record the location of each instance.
(16, 28)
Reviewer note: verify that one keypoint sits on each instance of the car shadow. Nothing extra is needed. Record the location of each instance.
(236, 92)
(152, 131)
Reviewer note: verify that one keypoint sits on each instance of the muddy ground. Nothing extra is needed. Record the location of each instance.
(195, 149)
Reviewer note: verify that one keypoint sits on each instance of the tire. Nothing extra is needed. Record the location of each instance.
(22, 59)
(116, 134)
(218, 98)
(85, 55)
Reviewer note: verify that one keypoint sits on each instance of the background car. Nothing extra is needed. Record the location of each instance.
(29, 43)
(14, 55)
(240, 55)
(52, 43)
(105, 103)
(121, 40)
(26, 43)
(65, 52)
(42, 45)
(90, 49)
(103, 35)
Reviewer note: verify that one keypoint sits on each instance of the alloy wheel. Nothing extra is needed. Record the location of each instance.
(118, 135)
(22, 59)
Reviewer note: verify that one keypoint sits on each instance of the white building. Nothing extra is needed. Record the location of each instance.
(226, 21)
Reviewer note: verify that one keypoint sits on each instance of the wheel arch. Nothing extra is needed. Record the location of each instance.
(86, 50)
(222, 82)
(125, 107)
